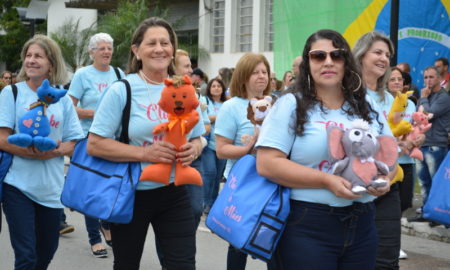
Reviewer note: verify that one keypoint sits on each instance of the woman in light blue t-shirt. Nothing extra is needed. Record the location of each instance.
(88, 84)
(250, 79)
(33, 184)
(329, 227)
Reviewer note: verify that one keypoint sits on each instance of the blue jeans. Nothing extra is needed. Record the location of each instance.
(432, 158)
(33, 229)
(93, 229)
(213, 168)
(321, 237)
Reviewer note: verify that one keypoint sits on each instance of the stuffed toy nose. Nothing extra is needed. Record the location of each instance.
(178, 103)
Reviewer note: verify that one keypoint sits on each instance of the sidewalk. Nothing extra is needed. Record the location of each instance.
(423, 229)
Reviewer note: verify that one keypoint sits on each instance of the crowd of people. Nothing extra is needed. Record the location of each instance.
(329, 226)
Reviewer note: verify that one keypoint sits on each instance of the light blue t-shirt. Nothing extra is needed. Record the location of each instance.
(40, 180)
(232, 123)
(87, 85)
(311, 149)
(145, 114)
(213, 110)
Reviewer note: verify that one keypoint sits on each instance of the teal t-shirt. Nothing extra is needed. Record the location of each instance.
(87, 85)
(40, 180)
(311, 149)
(232, 123)
(145, 114)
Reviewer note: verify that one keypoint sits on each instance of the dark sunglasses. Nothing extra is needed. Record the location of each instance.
(320, 56)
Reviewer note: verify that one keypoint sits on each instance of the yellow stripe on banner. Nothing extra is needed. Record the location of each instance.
(446, 4)
(365, 22)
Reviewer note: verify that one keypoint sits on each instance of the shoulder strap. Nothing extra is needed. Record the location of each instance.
(126, 114)
(116, 70)
(14, 90)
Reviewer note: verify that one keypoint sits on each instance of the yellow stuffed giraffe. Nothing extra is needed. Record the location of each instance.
(399, 127)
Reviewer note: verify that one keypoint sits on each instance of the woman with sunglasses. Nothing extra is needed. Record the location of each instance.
(372, 53)
(329, 226)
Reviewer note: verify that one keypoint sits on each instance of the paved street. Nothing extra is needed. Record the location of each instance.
(74, 254)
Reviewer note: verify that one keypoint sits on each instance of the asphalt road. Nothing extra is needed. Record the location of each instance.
(74, 252)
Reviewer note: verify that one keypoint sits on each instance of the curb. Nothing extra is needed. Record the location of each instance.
(423, 230)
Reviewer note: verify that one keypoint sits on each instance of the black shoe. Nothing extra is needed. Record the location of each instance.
(101, 253)
(207, 209)
(417, 219)
(66, 228)
(108, 242)
(433, 224)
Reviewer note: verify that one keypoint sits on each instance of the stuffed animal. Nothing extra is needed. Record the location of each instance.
(421, 125)
(361, 156)
(179, 101)
(34, 126)
(395, 120)
(257, 110)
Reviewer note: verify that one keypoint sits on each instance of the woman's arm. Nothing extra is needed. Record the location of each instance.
(273, 164)
(226, 150)
(212, 118)
(113, 150)
(65, 148)
(82, 113)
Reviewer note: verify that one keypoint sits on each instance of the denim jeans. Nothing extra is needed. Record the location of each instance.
(322, 237)
(432, 158)
(388, 223)
(169, 211)
(213, 168)
(33, 229)
(93, 229)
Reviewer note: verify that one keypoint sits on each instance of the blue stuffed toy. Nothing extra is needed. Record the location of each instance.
(34, 126)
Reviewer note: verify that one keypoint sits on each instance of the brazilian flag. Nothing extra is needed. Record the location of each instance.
(424, 28)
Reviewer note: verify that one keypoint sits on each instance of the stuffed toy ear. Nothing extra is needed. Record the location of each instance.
(253, 101)
(187, 79)
(409, 93)
(335, 145)
(388, 152)
(420, 109)
(168, 82)
(268, 98)
(45, 84)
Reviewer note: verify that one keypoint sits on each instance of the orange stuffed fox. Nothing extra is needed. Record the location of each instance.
(179, 101)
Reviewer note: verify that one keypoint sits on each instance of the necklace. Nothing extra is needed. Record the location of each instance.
(143, 77)
(147, 79)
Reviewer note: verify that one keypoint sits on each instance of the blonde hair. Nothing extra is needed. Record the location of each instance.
(58, 73)
(243, 71)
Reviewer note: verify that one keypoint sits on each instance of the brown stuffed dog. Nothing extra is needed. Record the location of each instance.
(179, 101)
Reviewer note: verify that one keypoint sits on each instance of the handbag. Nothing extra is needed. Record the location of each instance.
(437, 207)
(6, 157)
(101, 188)
(250, 212)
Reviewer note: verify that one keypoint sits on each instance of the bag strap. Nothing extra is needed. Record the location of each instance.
(14, 90)
(116, 70)
(126, 114)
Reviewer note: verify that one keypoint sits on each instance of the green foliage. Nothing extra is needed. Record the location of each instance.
(73, 43)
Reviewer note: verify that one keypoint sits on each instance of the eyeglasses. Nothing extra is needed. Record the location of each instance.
(7, 78)
(320, 56)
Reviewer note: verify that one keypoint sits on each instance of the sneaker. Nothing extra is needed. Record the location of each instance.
(101, 253)
(66, 228)
(402, 255)
(419, 210)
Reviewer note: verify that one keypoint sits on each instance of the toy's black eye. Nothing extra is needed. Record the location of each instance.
(355, 135)
(174, 95)
(369, 135)
(184, 96)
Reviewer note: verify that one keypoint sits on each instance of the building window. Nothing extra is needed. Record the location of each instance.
(244, 26)
(218, 25)
(268, 27)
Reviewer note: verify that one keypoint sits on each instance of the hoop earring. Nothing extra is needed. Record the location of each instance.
(138, 58)
(360, 82)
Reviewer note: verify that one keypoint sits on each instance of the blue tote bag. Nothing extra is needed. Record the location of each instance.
(250, 211)
(101, 188)
(6, 157)
(437, 207)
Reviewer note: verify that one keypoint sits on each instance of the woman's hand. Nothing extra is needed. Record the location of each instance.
(380, 191)
(341, 187)
(160, 152)
(187, 154)
(35, 153)
(419, 140)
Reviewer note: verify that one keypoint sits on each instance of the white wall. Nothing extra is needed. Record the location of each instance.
(228, 58)
(58, 14)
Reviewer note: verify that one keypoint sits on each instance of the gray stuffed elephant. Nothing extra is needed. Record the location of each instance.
(361, 157)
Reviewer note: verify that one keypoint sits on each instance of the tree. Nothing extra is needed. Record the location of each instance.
(73, 43)
(15, 33)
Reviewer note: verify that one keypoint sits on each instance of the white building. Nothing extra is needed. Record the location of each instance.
(229, 28)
